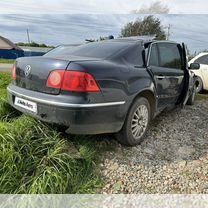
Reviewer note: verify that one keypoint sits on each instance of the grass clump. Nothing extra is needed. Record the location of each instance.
(5, 79)
(7, 112)
(36, 159)
(6, 61)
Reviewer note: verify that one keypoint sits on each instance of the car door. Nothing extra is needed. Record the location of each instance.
(203, 61)
(165, 63)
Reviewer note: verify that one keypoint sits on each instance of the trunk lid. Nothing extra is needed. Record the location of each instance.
(33, 72)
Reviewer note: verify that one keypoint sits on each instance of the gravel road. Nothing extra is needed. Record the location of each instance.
(172, 159)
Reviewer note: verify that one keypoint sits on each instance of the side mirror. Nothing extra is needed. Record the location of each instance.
(194, 66)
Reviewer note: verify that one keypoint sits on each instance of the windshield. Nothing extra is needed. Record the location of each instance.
(101, 49)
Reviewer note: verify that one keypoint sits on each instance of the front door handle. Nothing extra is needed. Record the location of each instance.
(160, 77)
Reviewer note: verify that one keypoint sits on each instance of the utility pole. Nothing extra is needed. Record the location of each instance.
(28, 37)
(168, 32)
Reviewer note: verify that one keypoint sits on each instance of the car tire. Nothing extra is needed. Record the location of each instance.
(136, 123)
(199, 84)
(192, 97)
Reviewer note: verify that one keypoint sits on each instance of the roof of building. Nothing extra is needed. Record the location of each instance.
(7, 44)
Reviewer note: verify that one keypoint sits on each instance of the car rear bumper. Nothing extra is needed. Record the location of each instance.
(71, 111)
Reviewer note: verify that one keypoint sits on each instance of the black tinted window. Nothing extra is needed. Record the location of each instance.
(169, 56)
(102, 49)
(202, 60)
(154, 59)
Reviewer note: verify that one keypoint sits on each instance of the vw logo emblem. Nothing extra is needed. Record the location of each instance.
(27, 70)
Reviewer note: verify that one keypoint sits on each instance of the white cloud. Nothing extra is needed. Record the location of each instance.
(98, 6)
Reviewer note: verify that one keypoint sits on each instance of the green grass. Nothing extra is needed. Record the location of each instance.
(6, 61)
(5, 79)
(36, 158)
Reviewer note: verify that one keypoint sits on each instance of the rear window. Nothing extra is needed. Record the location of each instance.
(97, 50)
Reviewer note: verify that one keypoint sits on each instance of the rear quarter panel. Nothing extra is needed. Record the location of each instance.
(118, 81)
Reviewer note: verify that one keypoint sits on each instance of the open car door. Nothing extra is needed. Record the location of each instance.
(189, 78)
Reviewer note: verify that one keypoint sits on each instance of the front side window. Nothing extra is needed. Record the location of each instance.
(170, 56)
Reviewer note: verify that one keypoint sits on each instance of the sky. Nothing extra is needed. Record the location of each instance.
(98, 6)
(65, 21)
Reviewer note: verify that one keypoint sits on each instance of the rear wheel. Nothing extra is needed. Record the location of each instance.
(136, 123)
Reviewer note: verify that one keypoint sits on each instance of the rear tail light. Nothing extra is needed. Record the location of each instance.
(79, 82)
(14, 75)
(72, 81)
(55, 79)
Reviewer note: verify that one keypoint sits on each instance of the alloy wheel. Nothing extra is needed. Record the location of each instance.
(139, 121)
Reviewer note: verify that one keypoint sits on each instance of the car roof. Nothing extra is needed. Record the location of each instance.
(144, 39)
(72, 45)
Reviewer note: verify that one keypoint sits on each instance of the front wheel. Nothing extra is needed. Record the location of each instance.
(192, 97)
(136, 123)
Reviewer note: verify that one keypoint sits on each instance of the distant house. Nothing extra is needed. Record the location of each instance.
(9, 50)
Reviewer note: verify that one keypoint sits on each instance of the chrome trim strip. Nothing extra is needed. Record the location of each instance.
(160, 77)
(66, 104)
(167, 77)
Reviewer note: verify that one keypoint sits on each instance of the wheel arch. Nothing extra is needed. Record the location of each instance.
(198, 78)
(150, 96)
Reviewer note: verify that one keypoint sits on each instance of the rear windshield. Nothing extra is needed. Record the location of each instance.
(97, 50)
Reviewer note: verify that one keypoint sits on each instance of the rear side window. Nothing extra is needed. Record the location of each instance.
(202, 60)
(134, 55)
(154, 59)
(169, 56)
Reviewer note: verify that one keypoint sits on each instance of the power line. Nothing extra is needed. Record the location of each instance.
(169, 33)
(188, 29)
(197, 40)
